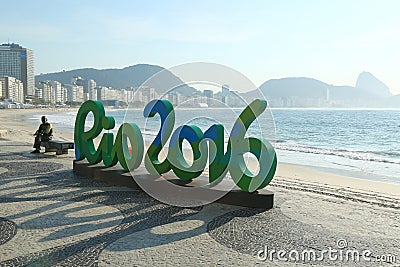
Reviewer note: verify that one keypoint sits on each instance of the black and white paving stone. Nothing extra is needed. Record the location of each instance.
(8, 230)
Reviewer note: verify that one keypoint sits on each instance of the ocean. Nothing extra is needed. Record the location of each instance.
(362, 143)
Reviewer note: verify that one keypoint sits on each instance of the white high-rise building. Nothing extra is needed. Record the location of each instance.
(74, 93)
(12, 88)
(90, 86)
(148, 93)
(60, 95)
(45, 92)
(17, 61)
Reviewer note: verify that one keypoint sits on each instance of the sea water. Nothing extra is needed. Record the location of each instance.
(358, 142)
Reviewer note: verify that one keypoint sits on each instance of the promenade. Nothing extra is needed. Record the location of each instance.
(51, 217)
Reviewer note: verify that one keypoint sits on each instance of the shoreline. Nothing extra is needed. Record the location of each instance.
(311, 175)
(17, 131)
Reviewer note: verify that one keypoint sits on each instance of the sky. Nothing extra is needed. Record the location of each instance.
(332, 41)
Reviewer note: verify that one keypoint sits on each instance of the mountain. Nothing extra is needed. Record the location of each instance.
(308, 92)
(294, 87)
(122, 78)
(369, 82)
(394, 101)
(285, 92)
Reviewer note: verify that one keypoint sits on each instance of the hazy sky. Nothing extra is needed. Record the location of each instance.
(332, 41)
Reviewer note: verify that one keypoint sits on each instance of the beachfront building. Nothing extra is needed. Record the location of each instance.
(139, 96)
(46, 92)
(51, 92)
(209, 94)
(17, 61)
(181, 99)
(225, 89)
(225, 94)
(79, 92)
(38, 93)
(74, 93)
(148, 93)
(130, 94)
(90, 89)
(42, 91)
(103, 93)
(173, 98)
(59, 92)
(123, 96)
(12, 88)
(233, 99)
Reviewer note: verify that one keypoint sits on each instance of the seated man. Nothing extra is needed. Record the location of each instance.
(43, 134)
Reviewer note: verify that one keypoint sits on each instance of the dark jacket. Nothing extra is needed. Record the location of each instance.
(45, 129)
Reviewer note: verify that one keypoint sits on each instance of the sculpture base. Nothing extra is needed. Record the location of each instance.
(118, 176)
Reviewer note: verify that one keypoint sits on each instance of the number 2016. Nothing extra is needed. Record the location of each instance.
(112, 151)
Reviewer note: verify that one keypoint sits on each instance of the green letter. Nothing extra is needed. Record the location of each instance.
(84, 146)
(166, 111)
(261, 148)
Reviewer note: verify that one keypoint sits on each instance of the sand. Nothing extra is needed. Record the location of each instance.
(20, 126)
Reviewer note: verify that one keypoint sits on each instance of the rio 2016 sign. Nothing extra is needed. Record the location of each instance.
(112, 151)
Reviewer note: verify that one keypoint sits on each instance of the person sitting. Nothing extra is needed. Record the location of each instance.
(43, 134)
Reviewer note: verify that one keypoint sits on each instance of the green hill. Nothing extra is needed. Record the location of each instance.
(121, 78)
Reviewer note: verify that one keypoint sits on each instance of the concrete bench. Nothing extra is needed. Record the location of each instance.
(60, 147)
